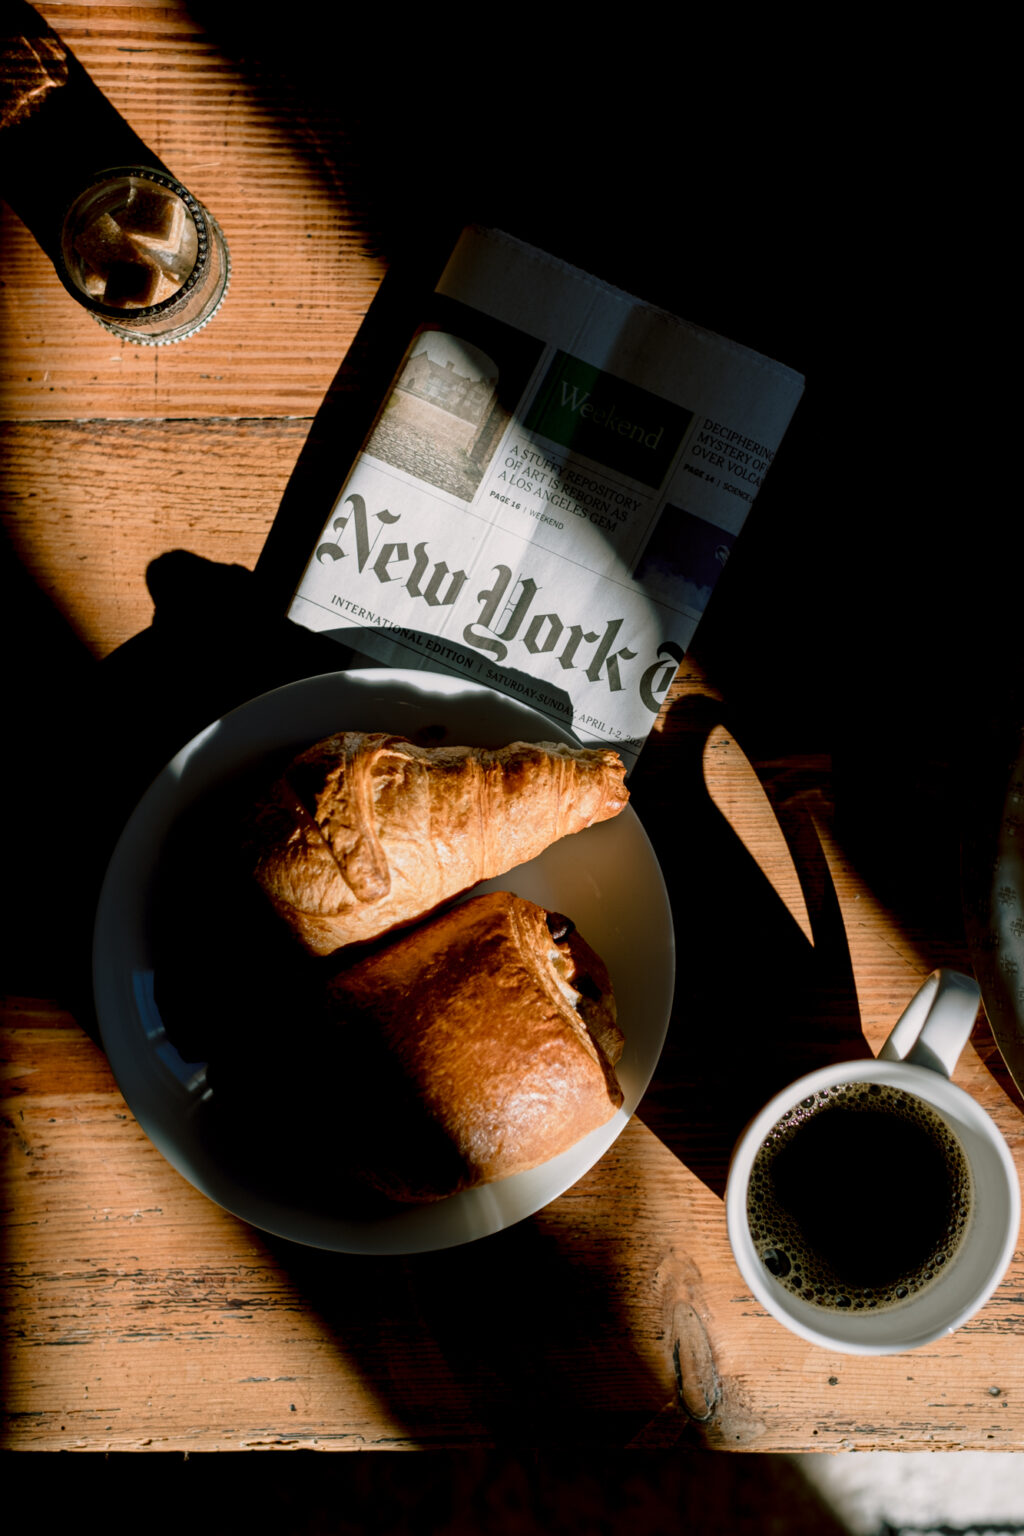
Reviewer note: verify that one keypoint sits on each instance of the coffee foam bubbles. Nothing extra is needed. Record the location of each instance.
(859, 1197)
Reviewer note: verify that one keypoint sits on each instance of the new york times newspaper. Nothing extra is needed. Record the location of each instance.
(549, 493)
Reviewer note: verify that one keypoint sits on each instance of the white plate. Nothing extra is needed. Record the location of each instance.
(607, 879)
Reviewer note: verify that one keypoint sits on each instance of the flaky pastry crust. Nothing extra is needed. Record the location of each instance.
(480, 1044)
(363, 833)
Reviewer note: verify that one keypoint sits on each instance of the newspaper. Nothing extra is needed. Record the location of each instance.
(549, 492)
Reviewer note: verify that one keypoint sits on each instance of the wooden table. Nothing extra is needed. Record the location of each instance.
(139, 1315)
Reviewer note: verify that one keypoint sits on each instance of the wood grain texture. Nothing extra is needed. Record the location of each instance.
(143, 1316)
(86, 506)
(140, 1316)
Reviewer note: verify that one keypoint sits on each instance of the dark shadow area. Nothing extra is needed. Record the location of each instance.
(214, 644)
(509, 1324)
(100, 733)
(756, 1004)
(59, 129)
(505, 1344)
(868, 610)
(575, 1493)
(93, 736)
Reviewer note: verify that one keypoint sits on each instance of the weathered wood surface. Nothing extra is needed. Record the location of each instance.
(88, 505)
(140, 1315)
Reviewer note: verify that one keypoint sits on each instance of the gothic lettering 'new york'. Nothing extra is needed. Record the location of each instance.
(507, 612)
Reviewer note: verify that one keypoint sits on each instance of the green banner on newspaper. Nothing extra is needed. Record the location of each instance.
(603, 418)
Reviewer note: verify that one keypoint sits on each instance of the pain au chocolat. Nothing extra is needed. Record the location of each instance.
(364, 833)
(478, 1045)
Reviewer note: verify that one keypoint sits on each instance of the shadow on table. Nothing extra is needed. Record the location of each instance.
(507, 1493)
(94, 736)
(521, 1332)
(514, 1339)
(757, 1004)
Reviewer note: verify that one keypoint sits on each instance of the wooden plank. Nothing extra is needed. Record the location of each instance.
(142, 1315)
(86, 509)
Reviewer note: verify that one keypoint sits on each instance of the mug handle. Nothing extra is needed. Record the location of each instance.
(936, 1024)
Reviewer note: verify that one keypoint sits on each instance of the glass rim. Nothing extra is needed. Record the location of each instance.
(166, 307)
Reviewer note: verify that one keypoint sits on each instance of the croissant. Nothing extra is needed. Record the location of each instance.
(483, 1043)
(364, 833)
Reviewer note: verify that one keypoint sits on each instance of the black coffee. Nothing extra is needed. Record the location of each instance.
(859, 1197)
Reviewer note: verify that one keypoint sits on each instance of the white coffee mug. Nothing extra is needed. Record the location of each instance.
(917, 1059)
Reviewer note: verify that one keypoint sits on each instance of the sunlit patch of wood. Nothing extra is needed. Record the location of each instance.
(737, 792)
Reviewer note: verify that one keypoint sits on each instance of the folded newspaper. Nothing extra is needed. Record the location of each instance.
(549, 492)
